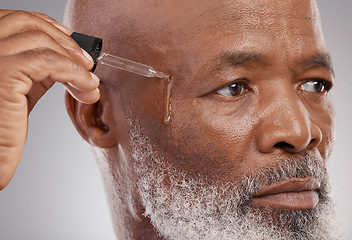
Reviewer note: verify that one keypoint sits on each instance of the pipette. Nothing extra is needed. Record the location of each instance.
(93, 46)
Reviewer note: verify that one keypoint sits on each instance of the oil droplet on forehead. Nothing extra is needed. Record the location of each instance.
(167, 99)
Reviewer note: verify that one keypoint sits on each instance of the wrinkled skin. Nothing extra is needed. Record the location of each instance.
(276, 47)
(36, 52)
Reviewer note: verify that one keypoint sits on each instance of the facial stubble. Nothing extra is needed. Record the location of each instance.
(183, 207)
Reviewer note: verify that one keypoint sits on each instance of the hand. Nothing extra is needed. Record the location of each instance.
(36, 51)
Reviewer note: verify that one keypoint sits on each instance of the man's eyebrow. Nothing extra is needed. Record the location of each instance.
(242, 57)
(234, 58)
(237, 58)
(318, 60)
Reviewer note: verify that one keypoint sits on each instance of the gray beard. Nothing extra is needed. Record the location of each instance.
(195, 208)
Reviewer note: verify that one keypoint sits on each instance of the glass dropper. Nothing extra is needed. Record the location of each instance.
(93, 46)
(130, 66)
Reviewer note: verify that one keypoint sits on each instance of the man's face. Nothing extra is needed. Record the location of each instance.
(250, 108)
(250, 84)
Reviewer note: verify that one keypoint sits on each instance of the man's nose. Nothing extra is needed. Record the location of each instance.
(287, 125)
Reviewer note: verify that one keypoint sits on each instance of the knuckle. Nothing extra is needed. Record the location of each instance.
(46, 56)
(44, 16)
(76, 67)
(40, 58)
(39, 36)
(39, 64)
(27, 21)
(19, 42)
(68, 43)
(22, 16)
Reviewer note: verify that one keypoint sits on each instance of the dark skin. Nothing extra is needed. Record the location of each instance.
(275, 51)
(272, 53)
(37, 52)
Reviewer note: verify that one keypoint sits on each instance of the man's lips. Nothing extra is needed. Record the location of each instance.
(293, 193)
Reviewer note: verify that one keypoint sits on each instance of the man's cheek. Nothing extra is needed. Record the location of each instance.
(200, 147)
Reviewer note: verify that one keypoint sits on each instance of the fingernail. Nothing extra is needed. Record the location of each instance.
(87, 56)
(95, 78)
(98, 91)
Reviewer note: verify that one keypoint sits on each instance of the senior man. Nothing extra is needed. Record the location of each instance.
(232, 146)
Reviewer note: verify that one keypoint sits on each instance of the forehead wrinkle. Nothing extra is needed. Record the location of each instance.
(241, 16)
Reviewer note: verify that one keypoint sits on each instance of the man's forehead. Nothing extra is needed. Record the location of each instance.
(169, 23)
(173, 15)
(182, 14)
(151, 31)
(199, 8)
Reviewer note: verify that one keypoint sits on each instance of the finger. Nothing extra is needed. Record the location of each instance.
(30, 40)
(83, 97)
(42, 64)
(60, 26)
(4, 12)
(25, 41)
(19, 21)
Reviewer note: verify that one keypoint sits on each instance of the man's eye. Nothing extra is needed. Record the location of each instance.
(315, 86)
(232, 90)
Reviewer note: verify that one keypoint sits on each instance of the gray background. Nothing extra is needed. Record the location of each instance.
(57, 191)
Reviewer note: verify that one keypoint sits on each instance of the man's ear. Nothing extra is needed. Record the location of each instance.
(94, 122)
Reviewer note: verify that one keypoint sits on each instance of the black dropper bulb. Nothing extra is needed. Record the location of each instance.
(92, 45)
